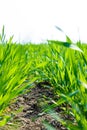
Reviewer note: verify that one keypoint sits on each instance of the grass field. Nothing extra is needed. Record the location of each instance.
(62, 64)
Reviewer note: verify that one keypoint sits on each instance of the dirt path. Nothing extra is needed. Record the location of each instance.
(32, 115)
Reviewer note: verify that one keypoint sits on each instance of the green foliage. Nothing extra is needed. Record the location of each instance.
(67, 73)
(3, 36)
(62, 64)
(17, 67)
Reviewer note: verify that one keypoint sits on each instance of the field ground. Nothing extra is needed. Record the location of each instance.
(31, 117)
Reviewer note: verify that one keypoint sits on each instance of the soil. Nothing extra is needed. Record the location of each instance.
(33, 103)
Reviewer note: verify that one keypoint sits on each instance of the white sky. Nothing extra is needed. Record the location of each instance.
(35, 20)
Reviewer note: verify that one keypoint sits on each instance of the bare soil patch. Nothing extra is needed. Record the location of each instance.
(32, 115)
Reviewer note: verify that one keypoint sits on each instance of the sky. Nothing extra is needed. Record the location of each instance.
(35, 20)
